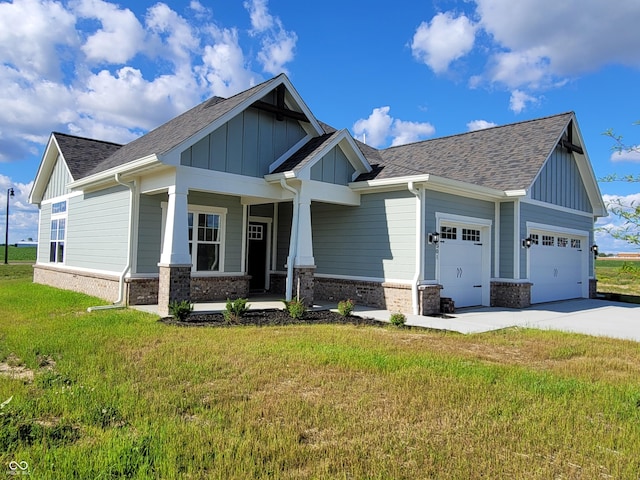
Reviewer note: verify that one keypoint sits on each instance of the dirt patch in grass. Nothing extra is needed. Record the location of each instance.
(264, 318)
(13, 367)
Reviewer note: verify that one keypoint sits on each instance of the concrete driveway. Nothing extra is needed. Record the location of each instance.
(587, 316)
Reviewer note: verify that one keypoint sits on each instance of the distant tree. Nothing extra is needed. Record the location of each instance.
(628, 212)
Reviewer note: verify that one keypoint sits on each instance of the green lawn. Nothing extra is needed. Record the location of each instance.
(115, 394)
(15, 254)
(618, 276)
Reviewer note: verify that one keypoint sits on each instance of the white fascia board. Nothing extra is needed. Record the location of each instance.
(588, 176)
(433, 182)
(172, 157)
(515, 193)
(389, 182)
(107, 176)
(47, 164)
(283, 158)
(228, 183)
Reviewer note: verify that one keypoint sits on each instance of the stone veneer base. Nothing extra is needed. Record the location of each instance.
(511, 294)
(97, 285)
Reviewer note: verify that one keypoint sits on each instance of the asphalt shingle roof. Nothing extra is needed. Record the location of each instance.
(504, 158)
(175, 131)
(83, 154)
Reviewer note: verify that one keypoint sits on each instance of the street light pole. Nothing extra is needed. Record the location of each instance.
(6, 229)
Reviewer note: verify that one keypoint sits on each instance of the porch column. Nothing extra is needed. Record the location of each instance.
(304, 264)
(175, 262)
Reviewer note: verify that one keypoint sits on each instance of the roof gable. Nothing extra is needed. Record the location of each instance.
(79, 155)
(502, 158)
(168, 140)
(302, 161)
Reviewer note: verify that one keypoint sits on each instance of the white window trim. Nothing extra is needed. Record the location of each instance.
(59, 216)
(195, 209)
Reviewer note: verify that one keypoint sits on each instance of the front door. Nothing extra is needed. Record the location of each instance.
(257, 256)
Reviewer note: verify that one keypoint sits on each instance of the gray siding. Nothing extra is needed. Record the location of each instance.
(97, 227)
(58, 181)
(334, 167)
(556, 218)
(560, 183)
(453, 205)
(233, 231)
(45, 233)
(376, 239)
(264, 210)
(246, 145)
(506, 239)
(285, 213)
(149, 233)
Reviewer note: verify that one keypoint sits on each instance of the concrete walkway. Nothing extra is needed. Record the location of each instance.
(586, 316)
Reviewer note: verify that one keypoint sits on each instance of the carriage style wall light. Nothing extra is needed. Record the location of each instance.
(594, 249)
(434, 238)
(527, 242)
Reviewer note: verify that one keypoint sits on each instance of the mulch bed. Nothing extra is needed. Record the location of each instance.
(263, 318)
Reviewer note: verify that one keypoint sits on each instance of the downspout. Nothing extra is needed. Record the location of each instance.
(419, 257)
(119, 303)
(293, 241)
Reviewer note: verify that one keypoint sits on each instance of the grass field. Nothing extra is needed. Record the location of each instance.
(618, 276)
(115, 394)
(15, 254)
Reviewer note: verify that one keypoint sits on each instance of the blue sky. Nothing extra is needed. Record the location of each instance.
(393, 72)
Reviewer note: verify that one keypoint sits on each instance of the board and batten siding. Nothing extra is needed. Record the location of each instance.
(58, 181)
(439, 202)
(233, 227)
(374, 240)
(246, 145)
(507, 246)
(334, 167)
(149, 233)
(554, 218)
(97, 230)
(560, 183)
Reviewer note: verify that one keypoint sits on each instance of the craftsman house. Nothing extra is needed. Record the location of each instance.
(254, 194)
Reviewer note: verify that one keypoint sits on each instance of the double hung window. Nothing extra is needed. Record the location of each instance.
(205, 240)
(58, 232)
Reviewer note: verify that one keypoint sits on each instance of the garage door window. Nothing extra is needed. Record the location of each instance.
(575, 243)
(563, 242)
(470, 235)
(548, 240)
(448, 233)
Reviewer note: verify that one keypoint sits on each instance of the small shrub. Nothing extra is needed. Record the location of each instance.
(398, 319)
(180, 310)
(345, 307)
(235, 309)
(295, 307)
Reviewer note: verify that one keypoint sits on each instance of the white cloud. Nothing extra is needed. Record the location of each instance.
(379, 126)
(408, 132)
(531, 46)
(443, 40)
(474, 125)
(261, 19)
(278, 45)
(630, 155)
(83, 67)
(31, 34)
(519, 100)
(614, 223)
(121, 36)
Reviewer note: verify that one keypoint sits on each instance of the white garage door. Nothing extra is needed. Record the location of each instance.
(461, 274)
(557, 266)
